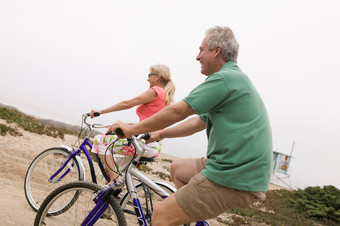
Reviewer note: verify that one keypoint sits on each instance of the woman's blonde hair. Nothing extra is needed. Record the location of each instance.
(169, 85)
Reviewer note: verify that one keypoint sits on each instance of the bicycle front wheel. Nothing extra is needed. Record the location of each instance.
(148, 199)
(79, 197)
(37, 183)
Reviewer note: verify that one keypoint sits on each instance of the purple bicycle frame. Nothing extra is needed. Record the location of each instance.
(73, 154)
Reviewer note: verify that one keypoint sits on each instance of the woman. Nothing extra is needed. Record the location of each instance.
(159, 95)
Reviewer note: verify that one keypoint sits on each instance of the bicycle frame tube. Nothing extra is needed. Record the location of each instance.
(95, 214)
(139, 212)
(73, 154)
(135, 201)
(133, 194)
(89, 159)
(148, 182)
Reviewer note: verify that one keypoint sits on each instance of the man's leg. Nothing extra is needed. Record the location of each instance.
(168, 213)
(182, 170)
(200, 198)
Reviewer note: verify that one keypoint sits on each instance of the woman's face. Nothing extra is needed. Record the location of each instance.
(152, 79)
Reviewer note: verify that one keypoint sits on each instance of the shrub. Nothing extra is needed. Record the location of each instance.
(319, 203)
(30, 124)
(301, 207)
(4, 129)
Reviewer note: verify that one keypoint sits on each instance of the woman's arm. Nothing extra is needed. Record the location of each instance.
(166, 117)
(146, 97)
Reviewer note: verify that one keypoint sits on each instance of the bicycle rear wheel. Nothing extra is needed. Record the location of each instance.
(79, 198)
(148, 199)
(37, 184)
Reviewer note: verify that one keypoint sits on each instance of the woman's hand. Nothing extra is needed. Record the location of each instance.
(155, 136)
(92, 113)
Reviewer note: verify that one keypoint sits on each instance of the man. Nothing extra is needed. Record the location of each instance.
(237, 169)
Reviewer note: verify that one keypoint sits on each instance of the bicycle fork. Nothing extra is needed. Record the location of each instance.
(135, 201)
(139, 212)
(95, 214)
(102, 203)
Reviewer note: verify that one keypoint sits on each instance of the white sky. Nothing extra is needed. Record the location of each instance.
(78, 55)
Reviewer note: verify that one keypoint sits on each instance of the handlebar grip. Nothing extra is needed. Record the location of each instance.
(119, 132)
(146, 136)
(96, 114)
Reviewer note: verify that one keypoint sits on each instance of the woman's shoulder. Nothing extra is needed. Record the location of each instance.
(157, 89)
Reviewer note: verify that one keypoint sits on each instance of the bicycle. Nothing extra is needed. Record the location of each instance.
(68, 201)
(59, 165)
(150, 191)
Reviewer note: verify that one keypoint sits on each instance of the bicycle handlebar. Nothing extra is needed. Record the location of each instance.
(119, 132)
(144, 136)
(94, 125)
(95, 114)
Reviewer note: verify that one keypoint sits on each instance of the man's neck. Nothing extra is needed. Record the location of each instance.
(218, 66)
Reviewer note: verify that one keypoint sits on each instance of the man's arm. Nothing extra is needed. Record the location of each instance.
(186, 128)
(166, 117)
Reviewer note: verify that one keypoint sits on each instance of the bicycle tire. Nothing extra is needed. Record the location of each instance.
(127, 206)
(37, 186)
(79, 208)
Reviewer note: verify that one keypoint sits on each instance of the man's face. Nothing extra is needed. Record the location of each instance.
(206, 58)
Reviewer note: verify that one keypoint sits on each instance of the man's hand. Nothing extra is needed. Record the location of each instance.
(155, 136)
(125, 127)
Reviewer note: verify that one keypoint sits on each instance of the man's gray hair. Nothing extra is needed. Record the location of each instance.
(223, 37)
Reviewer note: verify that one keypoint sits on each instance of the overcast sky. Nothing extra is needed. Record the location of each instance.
(67, 57)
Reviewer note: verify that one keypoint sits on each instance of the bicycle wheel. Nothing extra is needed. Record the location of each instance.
(79, 197)
(148, 200)
(37, 186)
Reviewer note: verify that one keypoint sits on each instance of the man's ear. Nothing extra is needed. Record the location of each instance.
(218, 50)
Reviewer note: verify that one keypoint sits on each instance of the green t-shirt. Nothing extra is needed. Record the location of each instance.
(239, 152)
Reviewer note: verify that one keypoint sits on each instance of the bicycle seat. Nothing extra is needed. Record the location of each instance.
(147, 159)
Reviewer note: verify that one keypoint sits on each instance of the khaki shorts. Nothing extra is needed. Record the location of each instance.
(203, 199)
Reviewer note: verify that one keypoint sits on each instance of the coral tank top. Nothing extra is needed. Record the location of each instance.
(146, 110)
